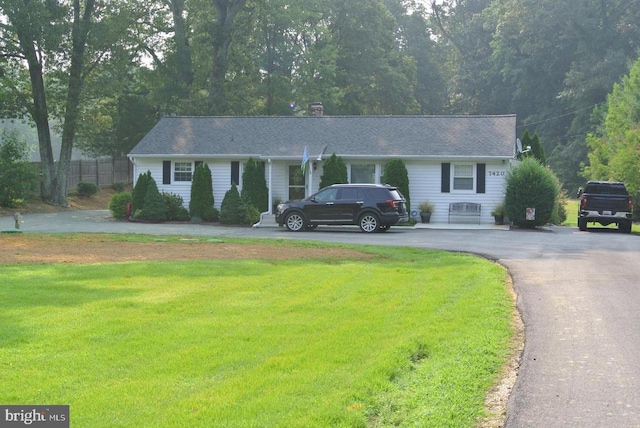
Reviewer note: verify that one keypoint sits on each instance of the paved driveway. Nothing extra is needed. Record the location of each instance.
(578, 292)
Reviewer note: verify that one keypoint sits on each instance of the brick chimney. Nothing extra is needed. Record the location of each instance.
(316, 109)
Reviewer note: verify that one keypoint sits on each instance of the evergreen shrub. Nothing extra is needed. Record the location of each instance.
(395, 174)
(175, 207)
(201, 202)
(140, 191)
(154, 207)
(254, 185)
(230, 210)
(530, 185)
(334, 171)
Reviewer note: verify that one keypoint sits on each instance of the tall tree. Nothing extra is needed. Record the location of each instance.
(615, 149)
(43, 36)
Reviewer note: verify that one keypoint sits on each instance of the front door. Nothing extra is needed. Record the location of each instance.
(296, 183)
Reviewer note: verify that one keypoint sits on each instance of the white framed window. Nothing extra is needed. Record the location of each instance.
(463, 177)
(363, 173)
(183, 171)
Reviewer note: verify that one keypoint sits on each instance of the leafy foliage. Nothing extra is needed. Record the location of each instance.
(395, 174)
(615, 148)
(334, 171)
(530, 185)
(18, 177)
(536, 151)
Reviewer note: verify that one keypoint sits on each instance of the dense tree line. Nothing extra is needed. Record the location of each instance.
(106, 71)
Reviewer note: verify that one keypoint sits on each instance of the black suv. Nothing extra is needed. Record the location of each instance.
(373, 207)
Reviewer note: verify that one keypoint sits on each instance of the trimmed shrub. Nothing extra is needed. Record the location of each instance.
(201, 202)
(154, 207)
(175, 207)
(118, 187)
(140, 191)
(395, 174)
(86, 188)
(254, 185)
(530, 185)
(118, 205)
(230, 210)
(334, 171)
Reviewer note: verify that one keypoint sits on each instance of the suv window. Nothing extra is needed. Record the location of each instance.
(351, 193)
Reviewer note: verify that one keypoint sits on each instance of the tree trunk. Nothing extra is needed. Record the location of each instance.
(80, 31)
(226, 11)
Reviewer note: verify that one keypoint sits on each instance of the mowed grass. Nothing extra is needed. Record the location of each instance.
(412, 338)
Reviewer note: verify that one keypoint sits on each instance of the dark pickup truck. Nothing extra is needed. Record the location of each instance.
(605, 202)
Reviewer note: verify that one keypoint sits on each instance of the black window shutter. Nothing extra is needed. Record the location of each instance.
(480, 182)
(235, 172)
(445, 185)
(166, 172)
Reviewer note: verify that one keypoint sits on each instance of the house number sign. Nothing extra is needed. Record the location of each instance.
(497, 173)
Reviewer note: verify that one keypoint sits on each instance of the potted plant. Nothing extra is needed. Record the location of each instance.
(426, 208)
(498, 213)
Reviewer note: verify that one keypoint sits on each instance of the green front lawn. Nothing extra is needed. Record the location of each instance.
(412, 338)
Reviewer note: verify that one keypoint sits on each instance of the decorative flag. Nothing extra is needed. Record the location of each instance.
(305, 159)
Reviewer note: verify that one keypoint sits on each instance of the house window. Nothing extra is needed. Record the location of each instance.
(296, 183)
(182, 171)
(462, 177)
(365, 173)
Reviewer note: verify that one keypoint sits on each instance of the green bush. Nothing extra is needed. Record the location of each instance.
(18, 177)
(154, 207)
(201, 200)
(175, 207)
(86, 188)
(395, 174)
(118, 205)
(334, 171)
(230, 210)
(118, 187)
(140, 191)
(530, 185)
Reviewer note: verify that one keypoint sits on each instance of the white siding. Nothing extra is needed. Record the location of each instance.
(425, 184)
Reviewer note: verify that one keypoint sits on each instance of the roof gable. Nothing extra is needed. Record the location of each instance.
(347, 136)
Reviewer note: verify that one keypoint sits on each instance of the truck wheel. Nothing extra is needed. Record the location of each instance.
(294, 222)
(625, 227)
(582, 224)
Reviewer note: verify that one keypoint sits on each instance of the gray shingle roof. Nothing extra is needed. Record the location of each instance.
(347, 136)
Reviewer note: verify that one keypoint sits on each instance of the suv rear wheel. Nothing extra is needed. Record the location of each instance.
(369, 223)
(294, 221)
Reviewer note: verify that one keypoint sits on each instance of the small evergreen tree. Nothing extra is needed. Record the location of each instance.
(254, 185)
(395, 174)
(230, 210)
(140, 191)
(530, 185)
(155, 206)
(537, 150)
(201, 203)
(334, 171)
(118, 204)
